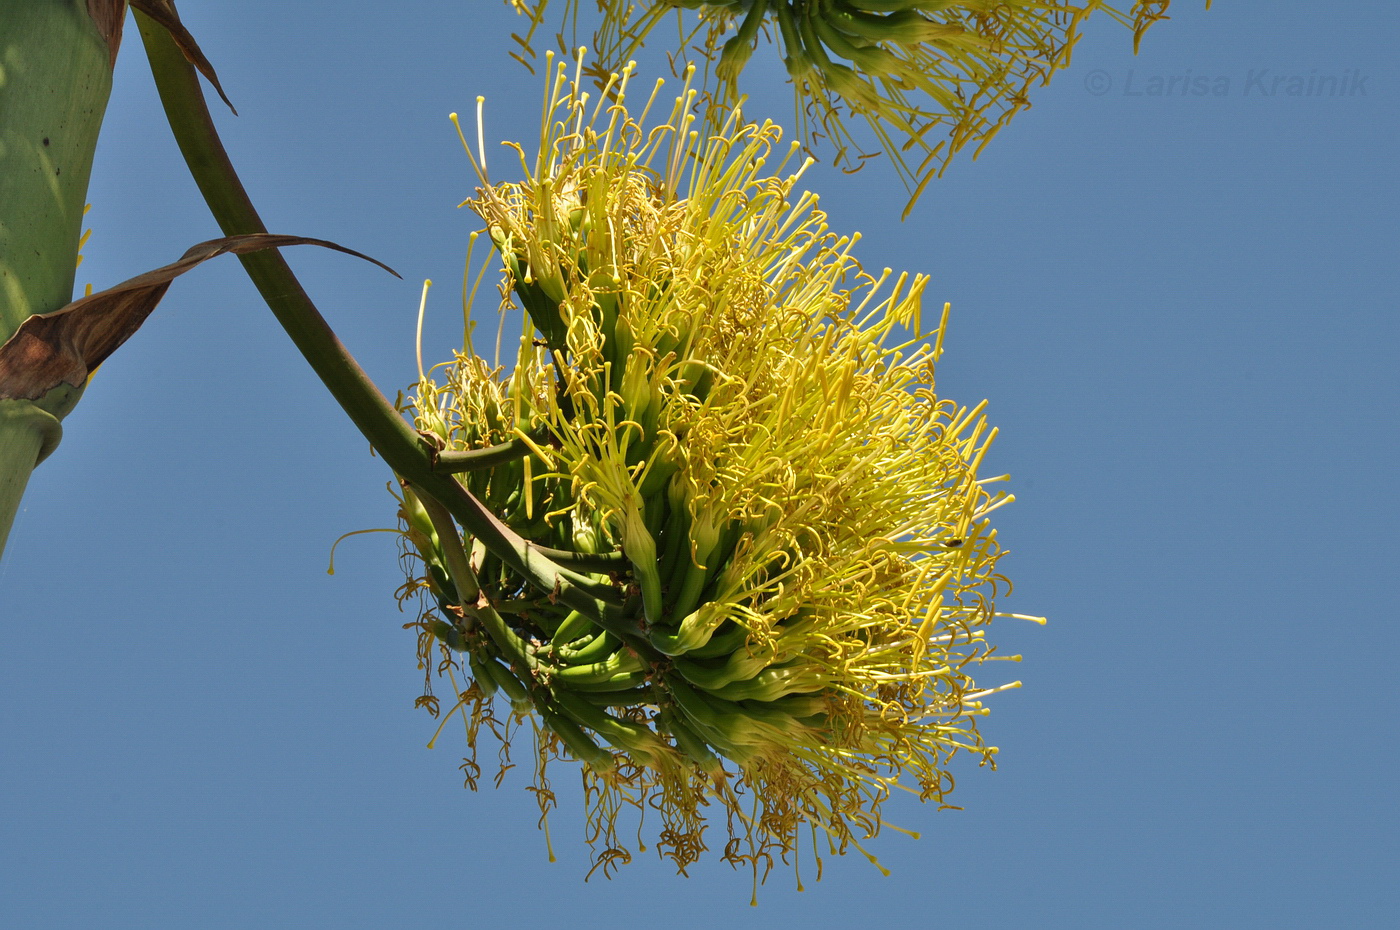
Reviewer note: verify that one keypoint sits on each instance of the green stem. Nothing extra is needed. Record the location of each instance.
(459, 569)
(455, 463)
(27, 435)
(180, 93)
(603, 562)
(392, 437)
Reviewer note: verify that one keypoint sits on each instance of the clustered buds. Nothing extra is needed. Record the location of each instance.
(771, 549)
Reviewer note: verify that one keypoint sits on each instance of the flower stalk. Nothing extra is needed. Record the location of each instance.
(405, 451)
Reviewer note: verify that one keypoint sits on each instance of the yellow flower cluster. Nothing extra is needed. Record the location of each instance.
(727, 432)
(929, 77)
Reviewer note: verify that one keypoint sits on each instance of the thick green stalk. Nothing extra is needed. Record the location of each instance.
(209, 164)
(27, 435)
(402, 449)
(55, 77)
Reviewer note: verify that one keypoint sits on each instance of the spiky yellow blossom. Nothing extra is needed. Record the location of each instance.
(777, 540)
(929, 77)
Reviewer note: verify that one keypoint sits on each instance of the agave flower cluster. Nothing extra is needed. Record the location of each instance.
(929, 77)
(726, 433)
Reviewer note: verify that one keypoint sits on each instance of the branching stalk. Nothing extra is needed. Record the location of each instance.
(457, 462)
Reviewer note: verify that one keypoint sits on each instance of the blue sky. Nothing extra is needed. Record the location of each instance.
(1182, 308)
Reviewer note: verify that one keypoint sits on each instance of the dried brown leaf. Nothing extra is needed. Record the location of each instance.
(108, 16)
(66, 345)
(164, 13)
